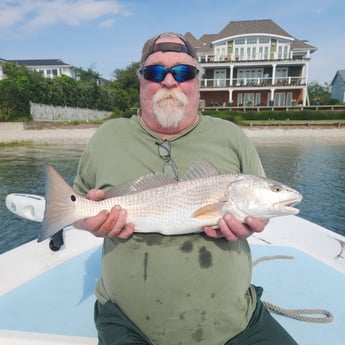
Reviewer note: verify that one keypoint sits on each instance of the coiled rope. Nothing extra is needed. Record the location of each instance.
(298, 314)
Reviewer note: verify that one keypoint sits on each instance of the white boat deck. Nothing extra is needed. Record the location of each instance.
(47, 297)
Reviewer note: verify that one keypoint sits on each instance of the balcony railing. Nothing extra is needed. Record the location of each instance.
(249, 57)
(253, 82)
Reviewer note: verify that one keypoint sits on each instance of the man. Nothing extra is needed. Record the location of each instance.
(155, 289)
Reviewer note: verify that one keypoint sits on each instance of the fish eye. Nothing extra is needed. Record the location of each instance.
(73, 198)
(276, 188)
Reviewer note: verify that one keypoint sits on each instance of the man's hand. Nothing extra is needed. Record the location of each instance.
(106, 224)
(233, 230)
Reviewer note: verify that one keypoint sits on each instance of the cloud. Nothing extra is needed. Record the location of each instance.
(107, 23)
(23, 15)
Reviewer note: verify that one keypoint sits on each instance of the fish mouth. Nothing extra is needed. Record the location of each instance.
(287, 206)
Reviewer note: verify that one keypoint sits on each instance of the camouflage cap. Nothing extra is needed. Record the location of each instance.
(151, 46)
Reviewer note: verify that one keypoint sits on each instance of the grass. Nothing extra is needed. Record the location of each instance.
(335, 123)
(16, 143)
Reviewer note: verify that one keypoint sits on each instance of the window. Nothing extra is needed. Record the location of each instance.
(264, 40)
(220, 52)
(240, 99)
(251, 40)
(251, 48)
(282, 76)
(289, 98)
(249, 76)
(283, 49)
(253, 55)
(220, 77)
(279, 99)
(239, 41)
(258, 99)
(249, 99)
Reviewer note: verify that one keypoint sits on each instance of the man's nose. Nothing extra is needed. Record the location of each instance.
(169, 80)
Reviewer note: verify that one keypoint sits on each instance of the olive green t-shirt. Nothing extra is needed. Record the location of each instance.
(186, 289)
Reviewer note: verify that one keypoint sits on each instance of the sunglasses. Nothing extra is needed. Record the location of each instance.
(164, 151)
(157, 73)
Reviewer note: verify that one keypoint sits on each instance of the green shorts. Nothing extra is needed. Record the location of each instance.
(114, 328)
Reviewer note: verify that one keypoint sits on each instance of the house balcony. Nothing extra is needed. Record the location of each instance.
(258, 59)
(250, 83)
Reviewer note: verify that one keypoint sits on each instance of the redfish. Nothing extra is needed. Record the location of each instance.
(158, 203)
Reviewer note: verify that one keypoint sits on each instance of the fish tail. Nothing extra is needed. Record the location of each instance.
(60, 208)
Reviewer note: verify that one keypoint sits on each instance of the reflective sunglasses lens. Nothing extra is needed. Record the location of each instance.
(157, 73)
(154, 73)
(183, 73)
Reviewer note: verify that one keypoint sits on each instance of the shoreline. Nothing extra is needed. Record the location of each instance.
(309, 135)
(16, 133)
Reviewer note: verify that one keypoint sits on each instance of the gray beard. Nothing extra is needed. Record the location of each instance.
(169, 107)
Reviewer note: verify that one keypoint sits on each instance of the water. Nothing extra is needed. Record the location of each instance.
(22, 171)
(316, 170)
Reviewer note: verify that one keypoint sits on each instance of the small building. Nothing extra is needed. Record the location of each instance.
(338, 86)
(49, 68)
(253, 63)
(2, 76)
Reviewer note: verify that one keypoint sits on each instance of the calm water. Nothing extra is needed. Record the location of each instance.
(316, 170)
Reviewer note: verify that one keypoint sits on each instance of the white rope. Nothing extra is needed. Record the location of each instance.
(298, 314)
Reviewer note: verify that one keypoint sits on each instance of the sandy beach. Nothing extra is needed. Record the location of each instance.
(16, 132)
(289, 134)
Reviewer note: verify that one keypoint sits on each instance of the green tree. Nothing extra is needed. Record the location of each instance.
(17, 90)
(127, 80)
(320, 94)
(89, 75)
(23, 86)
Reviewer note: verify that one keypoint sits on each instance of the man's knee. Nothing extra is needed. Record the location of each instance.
(114, 328)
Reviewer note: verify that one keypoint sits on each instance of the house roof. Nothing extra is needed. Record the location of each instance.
(236, 28)
(253, 26)
(340, 73)
(40, 62)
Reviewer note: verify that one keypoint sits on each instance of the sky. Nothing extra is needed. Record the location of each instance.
(108, 34)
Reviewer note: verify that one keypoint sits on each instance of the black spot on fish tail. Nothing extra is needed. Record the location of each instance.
(146, 258)
(205, 258)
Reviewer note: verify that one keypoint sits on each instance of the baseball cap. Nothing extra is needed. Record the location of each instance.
(151, 46)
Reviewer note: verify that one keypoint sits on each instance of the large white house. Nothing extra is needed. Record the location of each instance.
(252, 63)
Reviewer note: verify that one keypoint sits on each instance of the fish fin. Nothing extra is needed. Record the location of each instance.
(143, 183)
(60, 204)
(202, 168)
(211, 210)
